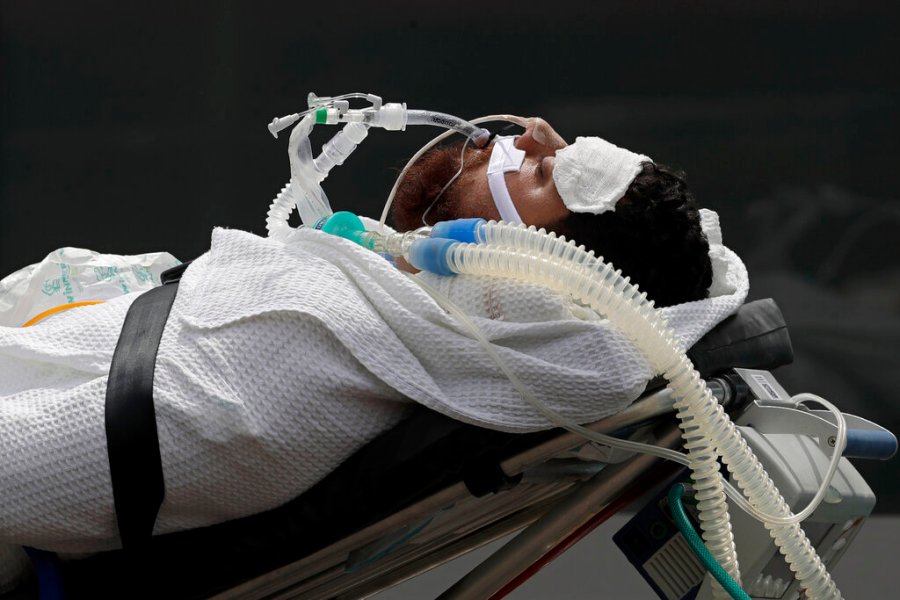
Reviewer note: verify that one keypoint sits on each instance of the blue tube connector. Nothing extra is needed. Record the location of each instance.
(461, 230)
(431, 255)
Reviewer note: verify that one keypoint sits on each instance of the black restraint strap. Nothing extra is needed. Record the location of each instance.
(132, 444)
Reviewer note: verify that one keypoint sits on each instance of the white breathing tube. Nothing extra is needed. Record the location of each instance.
(624, 444)
(535, 256)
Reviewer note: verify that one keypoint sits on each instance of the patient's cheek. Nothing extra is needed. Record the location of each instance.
(538, 206)
(475, 198)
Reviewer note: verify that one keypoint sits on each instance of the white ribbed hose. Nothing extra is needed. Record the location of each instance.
(301, 159)
(279, 213)
(527, 254)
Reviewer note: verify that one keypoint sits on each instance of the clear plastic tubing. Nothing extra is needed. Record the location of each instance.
(304, 191)
(281, 207)
(337, 149)
(513, 250)
(438, 119)
(279, 213)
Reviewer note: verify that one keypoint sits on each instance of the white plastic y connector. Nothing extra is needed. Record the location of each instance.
(278, 124)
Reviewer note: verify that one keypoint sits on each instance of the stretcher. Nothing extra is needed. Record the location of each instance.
(432, 489)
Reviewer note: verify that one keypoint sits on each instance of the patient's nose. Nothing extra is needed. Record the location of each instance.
(540, 138)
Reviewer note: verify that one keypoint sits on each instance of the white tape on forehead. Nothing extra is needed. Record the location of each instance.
(505, 158)
(591, 175)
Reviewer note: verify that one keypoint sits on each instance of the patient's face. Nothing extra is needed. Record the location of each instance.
(531, 188)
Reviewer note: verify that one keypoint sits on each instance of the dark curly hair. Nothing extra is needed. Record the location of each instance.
(653, 236)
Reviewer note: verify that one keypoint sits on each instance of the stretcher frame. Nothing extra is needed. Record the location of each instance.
(555, 498)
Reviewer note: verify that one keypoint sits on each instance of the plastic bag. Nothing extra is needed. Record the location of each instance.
(73, 275)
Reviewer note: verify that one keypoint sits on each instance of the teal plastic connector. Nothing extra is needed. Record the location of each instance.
(348, 226)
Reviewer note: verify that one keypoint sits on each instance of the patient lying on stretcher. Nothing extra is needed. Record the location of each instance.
(279, 361)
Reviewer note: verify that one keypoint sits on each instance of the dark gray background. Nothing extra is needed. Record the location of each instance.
(137, 127)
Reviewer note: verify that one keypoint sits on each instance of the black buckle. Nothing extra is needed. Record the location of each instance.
(174, 274)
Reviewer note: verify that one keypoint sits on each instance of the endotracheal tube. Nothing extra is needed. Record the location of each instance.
(304, 190)
(474, 246)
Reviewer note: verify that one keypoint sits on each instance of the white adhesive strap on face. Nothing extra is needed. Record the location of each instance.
(591, 175)
(505, 158)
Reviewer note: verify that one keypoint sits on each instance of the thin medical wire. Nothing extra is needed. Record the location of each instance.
(431, 144)
(462, 165)
(462, 159)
